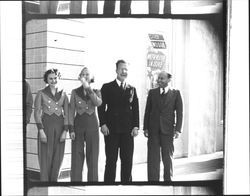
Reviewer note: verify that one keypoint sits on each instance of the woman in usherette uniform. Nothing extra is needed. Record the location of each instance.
(83, 127)
(51, 116)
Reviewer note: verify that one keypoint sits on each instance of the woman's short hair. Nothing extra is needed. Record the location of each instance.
(51, 71)
(79, 76)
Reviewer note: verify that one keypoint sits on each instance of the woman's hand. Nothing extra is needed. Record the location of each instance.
(63, 136)
(72, 135)
(176, 134)
(134, 132)
(105, 130)
(42, 136)
(84, 82)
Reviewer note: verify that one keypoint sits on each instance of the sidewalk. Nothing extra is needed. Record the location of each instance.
(203, 167)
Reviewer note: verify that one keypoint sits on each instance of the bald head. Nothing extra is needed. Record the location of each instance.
(165, 74)
(163, 79)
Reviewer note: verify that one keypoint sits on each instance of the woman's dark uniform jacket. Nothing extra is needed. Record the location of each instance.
(80, 104)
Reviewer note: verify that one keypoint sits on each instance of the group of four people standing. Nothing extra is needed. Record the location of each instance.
(118, 113)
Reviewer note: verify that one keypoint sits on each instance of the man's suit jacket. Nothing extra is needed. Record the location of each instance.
(163, 112)
(119, 109)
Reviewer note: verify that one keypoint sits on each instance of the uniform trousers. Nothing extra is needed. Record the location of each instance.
(114, 142)
(86, 132)
(160, 143)
(51, 154)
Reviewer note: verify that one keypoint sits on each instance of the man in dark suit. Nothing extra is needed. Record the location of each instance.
(162, 123)
(119, 122)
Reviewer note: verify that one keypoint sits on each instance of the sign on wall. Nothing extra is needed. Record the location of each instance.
(156, 60)
(156, 57)
(157, 41)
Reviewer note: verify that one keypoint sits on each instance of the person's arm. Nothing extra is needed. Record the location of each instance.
(66, 117)
(38, 110)
(179, 112)
(135, 107)
(95, 96)
(147, 114)
(101, 109)
(29, 102)
(135, 110)
(38, 117)
(72, 109)
(66, 112)
(147, 111)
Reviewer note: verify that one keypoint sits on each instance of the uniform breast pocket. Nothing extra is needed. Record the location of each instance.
(80, 103)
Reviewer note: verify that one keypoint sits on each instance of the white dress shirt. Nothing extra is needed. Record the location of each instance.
(119, 83)
(166, 89)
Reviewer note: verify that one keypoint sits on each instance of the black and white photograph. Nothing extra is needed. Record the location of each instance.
(122, 97)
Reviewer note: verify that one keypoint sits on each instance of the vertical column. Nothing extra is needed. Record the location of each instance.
(52, 44)
(36, 41)
(178, 65)
(204, 60)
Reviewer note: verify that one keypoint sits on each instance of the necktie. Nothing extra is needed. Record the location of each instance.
(163, 91)
(121, 86)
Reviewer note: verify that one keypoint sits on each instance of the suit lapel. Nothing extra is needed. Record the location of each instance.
(127, 90)
(80, 93)
(158, 97)
(168, 97)
(48, 92)
(122, 95)
(115, 86)
(116, 90)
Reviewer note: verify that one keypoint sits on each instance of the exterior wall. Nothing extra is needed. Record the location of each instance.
(50, 45)
(205, 92)
(179, 68)
(197, 67)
